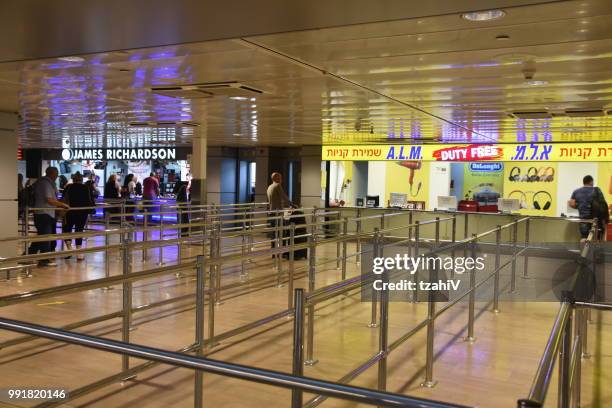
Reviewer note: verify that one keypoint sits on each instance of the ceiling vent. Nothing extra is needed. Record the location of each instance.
(183, 92)
(584, 113)
(531, 114)
(231, 88)
(207, 90)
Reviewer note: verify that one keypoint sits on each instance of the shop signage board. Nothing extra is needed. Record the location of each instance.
(538, 152)
(134, 153)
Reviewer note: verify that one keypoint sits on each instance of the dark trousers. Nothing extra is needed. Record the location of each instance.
(75, 222)
(184, 219)
(45, 224)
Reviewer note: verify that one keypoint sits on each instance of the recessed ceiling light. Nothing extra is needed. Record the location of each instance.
(486, 15)
(239, 98)
(534, 82)
(583, 30)
(72, 59)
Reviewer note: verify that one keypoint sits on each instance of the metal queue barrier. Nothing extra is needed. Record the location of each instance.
(128, 277)
(567, 342)
(215, 229)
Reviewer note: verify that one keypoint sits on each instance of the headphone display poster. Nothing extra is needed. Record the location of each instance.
(407, 177)
(483, 182)
(534, 184)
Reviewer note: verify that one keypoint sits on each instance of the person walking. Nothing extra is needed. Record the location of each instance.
(128, 192)
(77, 195)
(45, 200)
(92, 184)
(590, 203)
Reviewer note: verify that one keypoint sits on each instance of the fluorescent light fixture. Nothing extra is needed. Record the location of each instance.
(72, 59)
(534, 82)
(486, 15)
(239, 98)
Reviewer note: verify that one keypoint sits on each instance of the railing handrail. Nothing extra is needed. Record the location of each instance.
(265, 376)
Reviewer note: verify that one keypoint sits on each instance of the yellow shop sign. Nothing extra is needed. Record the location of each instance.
(543, 152)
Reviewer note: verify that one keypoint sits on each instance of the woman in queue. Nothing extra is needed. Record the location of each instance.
(112, 196)
(77, 195)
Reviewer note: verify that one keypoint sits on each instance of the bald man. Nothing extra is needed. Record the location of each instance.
(277, 199)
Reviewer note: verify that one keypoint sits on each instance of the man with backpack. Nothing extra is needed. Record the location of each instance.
(43, 196)
(590, 203)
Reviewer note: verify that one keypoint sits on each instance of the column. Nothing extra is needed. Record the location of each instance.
(311, 176)
(8, 182)
(198, 170)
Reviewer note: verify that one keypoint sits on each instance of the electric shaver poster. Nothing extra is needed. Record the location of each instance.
(534, 184)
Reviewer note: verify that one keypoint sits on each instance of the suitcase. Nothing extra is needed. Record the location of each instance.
(299, 220)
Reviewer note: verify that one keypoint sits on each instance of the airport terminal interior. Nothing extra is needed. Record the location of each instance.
(296, 204)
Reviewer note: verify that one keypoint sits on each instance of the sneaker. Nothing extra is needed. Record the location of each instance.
(80, 256)
(51, 263)
(42, 264)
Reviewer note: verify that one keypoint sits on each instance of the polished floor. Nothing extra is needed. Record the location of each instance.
(493, 372)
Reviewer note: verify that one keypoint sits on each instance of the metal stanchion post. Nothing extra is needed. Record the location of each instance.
(211, 301)
(127, 302)
(160, 260)
(279, 245)
(465, 232)
(525, 273)
(417, 237)
(470, 338)
(338, 227)
(218, 267)
(376, 252)
(199, 328)
(513, 272)
(580, 318)
(106, 251)
(310, 360)
(298, 346)
(565, 356)
(453, 240)
(431, 316)
(410, 233)
(584, 335)
(358, 231)
(344, 244)
(145, 237)
(291, 266)
(383, 338)
(243, 273)
(437, 233)
(26, 228)
(497, 264)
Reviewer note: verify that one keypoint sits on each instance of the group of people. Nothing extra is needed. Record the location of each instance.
(78, 201)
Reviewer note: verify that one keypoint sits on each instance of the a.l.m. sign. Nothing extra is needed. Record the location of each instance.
(131, 153)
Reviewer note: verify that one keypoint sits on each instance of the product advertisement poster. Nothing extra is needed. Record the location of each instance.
(483, 182)
(534, 184)
(410, 178)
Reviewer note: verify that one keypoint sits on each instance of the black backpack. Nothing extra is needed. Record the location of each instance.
(28, 194)
(599, 207)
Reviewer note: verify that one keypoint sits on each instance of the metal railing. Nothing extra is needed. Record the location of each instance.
(567, 342)
(201, 364)
(214, 229)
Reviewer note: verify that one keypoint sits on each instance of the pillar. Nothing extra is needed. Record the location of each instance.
(8, 182)
(198, 170)
(311, 177)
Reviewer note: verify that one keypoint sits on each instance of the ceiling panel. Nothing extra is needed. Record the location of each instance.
(438, 78)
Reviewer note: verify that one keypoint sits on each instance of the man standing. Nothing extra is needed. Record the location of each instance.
(277, 199)
(587, 200)
(45, 197)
